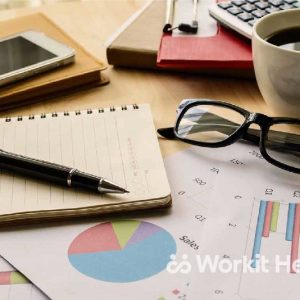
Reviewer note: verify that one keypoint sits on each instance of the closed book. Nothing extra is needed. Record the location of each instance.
(136, 43)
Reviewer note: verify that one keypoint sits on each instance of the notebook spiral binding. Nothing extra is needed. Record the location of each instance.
(77, 113)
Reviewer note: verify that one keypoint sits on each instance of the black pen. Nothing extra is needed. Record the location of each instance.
(51, 172)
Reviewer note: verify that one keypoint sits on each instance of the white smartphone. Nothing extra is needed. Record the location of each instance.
(29, 53)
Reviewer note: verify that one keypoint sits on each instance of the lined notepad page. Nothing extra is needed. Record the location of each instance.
(119, 144)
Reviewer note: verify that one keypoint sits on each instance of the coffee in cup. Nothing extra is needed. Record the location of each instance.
(276, 57)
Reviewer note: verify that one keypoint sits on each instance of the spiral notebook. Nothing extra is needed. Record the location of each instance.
(119, 144)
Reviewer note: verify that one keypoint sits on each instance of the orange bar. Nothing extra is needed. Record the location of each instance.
(268, 217)
(295, 241)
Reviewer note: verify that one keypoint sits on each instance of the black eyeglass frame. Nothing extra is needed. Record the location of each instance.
(264, 122)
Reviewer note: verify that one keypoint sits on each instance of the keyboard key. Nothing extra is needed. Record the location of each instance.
(290, 1)
(252, 1)
(234, 10)
(286, 6)
(248, 7)
(276, 3)
(296, 5)
(238, 2)
(272, 9)
(225, 5)
(245, 17)
(251, 22)
(258, 13)
(262, 4)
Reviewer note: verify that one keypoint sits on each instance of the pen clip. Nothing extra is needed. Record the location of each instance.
(189, 28)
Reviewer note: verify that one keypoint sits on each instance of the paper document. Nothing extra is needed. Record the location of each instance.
(14, 286)
(252, 218)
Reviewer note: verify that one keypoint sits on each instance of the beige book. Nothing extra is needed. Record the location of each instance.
(119, 144)
(136, 43)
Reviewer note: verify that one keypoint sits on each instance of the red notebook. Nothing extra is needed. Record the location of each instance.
(225, 50)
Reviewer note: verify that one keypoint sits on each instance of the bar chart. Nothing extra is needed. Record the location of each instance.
(12, 277)
(267, 224)
(14, 285)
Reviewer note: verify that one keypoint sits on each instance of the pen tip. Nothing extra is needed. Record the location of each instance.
(122, 191)
(106, 186)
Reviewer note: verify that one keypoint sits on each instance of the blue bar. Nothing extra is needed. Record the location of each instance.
(258, 232)
(290, 222)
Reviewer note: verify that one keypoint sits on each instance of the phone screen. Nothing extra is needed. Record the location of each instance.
(18, 53)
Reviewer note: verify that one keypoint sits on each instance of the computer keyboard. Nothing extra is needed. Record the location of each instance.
(241, 15)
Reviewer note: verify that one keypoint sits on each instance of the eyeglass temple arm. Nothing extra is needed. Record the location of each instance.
(289, 142)
(167, 132)
(253, 135)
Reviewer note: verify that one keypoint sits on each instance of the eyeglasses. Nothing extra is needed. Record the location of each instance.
(212, 123)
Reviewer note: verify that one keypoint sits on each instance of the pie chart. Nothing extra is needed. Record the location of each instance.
(122, 251)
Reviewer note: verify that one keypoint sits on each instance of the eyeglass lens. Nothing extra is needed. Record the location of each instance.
(204, 123)
(283, 143)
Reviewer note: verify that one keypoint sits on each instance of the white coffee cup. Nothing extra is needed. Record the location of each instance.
(277, 69)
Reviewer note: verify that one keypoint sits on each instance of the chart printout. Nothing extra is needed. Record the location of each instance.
(15, 286)
(252, 237)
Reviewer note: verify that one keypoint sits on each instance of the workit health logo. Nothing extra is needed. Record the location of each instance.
(225, 264)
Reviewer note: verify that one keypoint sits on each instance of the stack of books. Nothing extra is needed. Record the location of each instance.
(86, 72)
(141, 43)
